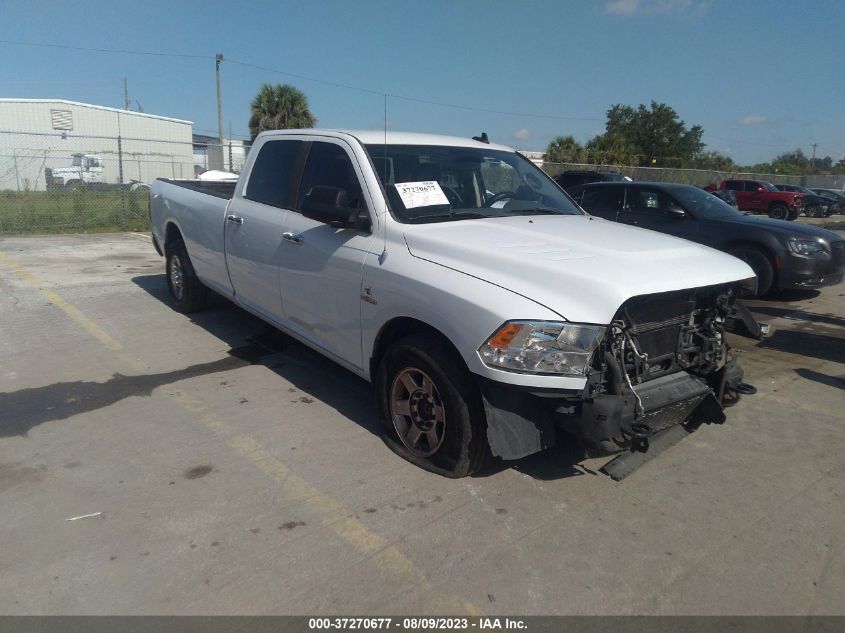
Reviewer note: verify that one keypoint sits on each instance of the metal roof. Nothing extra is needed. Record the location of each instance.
(97, 107)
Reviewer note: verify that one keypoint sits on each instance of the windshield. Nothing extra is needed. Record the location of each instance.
(770, 187)
(77, 161)
(703, 204)
(429, 183)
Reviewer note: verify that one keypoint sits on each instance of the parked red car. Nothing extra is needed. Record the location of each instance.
(759, 196)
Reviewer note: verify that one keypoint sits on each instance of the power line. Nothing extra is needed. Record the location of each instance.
(106, 50)
(324, 82)
(392, 95)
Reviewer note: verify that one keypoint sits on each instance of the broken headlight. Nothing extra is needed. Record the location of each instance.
(542, 347)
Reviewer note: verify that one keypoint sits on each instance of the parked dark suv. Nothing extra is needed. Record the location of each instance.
(572, 178)
(782, 254)
(815, 206)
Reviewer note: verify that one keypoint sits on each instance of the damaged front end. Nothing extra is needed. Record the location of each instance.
(662, 368)
(664, 362)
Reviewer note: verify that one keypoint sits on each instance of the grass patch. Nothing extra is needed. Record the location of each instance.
(80, 211)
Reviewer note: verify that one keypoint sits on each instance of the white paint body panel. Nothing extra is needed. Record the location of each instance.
(464, 278)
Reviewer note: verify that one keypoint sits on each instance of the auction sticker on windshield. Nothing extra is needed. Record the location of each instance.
(426, 193)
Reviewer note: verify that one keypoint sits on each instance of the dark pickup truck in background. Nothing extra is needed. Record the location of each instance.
(759, 196)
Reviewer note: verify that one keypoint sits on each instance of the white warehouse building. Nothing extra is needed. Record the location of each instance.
(39, 136)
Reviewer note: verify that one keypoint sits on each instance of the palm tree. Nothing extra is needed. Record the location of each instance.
(564, 149)
(279, 107)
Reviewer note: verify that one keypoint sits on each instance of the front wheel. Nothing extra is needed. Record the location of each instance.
(760, 264)
(186, 290)
(430, 407)
(779, 212)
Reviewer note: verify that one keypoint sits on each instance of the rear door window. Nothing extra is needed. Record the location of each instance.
(643, 201)
(270, 181)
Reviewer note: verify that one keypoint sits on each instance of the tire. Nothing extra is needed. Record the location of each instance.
(431, 408)
(186, 290)
(760, 264)
(813, 211)
(779, 211)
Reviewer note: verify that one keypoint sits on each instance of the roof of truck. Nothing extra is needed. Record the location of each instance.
(377, 137)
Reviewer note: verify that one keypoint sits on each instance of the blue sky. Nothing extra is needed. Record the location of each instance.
(762, 77)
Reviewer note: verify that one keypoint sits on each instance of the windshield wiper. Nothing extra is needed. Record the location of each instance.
(445, 217)
(535, 211)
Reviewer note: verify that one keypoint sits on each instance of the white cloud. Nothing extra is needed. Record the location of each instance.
(622, 7)
(632, 7)
(522, 135)
(752, 119)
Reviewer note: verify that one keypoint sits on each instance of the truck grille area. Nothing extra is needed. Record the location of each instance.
(659, 334)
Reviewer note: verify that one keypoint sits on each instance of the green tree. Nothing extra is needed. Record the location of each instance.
(714, 161)
(564, 149)
(794, 162)
(611, 149)
(279, 107)
(655, 134)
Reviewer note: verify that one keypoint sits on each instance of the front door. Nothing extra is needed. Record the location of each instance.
(254, 227)
(322, 266)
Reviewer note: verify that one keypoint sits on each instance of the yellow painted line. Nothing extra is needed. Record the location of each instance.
(80, 319)
(388, 558)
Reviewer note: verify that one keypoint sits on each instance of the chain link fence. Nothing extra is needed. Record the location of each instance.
(59, 183)
(698, 177)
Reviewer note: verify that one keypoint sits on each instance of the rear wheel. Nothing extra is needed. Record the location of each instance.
(760, 264)
(186, 290)
(779, 211)
(430, 407)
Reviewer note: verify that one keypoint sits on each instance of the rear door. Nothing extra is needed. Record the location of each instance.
(647, 208)
(605, 201)
(321, 265)
(253, 227)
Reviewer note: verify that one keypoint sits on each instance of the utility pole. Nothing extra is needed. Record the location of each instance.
(813, 159)
(217, 59)
(128, 104)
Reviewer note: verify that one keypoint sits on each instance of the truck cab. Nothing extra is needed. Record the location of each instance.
(85, 169)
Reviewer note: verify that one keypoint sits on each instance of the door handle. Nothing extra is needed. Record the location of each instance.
(295, 238)
(235, 219)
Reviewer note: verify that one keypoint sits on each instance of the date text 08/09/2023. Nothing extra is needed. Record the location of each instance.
(410, 623)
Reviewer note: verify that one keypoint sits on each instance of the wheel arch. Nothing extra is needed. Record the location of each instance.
(398, 328)
(172, 232)
(771, 254)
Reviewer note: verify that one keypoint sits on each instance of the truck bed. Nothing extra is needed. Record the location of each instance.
(221, 188)
(198, 210)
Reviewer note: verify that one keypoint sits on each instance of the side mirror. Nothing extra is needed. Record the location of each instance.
(329, 205)
(675, 211)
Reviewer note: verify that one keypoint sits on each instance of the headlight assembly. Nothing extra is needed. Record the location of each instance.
(542, 347)
(804, 247)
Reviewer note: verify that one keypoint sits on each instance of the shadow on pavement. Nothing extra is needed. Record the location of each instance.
(815, 376)
(822, 346)
(320, 378)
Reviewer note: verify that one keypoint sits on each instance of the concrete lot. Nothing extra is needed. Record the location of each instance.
(238, 472)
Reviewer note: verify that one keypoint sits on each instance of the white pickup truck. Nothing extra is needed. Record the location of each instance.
(488, 310)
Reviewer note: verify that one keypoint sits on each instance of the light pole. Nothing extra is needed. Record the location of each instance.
(217, 59)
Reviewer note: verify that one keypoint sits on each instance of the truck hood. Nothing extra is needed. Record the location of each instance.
(581, 267)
